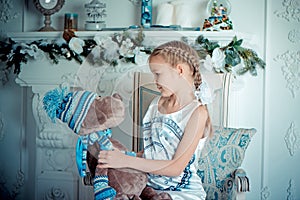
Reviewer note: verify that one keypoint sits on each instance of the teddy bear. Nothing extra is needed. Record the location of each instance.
(91, 117)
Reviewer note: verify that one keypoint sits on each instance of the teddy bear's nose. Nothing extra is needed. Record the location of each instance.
(118, 96)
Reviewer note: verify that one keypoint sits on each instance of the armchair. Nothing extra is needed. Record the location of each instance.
(219, 162)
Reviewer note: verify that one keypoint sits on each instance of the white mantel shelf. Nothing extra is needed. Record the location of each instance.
(156, 35)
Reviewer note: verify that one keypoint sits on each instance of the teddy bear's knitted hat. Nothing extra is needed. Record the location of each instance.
(69, 107)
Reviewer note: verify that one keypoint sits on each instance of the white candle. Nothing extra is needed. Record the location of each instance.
(165, 15)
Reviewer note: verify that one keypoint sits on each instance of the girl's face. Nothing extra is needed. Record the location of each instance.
(166, 77)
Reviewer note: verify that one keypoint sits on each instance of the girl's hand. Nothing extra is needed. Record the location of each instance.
(111, 159)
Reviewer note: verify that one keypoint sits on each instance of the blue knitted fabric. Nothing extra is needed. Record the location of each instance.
(69, 107)
(101, 137)
(81, 153)
(76, 108)
(101, 188)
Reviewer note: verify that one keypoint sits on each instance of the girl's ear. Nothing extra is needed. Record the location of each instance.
(180, 69)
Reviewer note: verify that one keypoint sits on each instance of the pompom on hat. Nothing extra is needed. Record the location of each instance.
(69, 107)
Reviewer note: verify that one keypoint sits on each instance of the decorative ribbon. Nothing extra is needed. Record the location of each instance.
(204, 93)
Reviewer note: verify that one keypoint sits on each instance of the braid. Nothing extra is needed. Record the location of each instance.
(176, 52)
(180, 54)
(197, 78)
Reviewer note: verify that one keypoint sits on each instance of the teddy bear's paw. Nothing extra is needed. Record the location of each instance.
(162, 196)
(122, 197)
(135, 197)
(127, 197)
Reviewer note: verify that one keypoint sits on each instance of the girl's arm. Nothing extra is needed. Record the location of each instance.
(186, 148)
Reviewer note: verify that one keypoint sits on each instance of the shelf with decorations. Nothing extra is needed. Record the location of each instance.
(220, 51)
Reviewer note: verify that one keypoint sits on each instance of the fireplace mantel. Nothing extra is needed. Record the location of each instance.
(40, 73)
(156, 35)
(54, 150)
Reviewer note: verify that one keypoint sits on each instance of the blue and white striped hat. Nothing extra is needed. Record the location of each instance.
(69, 107)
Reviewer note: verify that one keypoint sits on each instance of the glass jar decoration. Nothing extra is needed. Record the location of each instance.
(95, 15)
(71, 21)
(218, 20)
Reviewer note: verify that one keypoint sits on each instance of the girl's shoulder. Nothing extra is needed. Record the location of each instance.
(200, 109)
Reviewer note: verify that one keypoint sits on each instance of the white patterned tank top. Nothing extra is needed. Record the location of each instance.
(162, 134)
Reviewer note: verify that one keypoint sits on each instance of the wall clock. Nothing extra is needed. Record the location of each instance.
(48, 8)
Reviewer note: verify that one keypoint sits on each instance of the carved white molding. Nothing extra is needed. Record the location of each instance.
(294, 36)
(291, 10)
(60, 160)
(1, 127)
(4, 73)
(118, 80)
(265, 193)
(55, 193)
(48, 136)
(290, 69)
(291, 191)
(52, 185)
(19, 183)
(17, 186)
(51, 135)
(135, 2)
(103, 80)
(6, 11)
(292, 139)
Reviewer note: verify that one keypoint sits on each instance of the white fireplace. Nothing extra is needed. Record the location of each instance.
(53, 150)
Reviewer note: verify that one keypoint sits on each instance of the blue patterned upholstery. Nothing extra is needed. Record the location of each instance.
(221, 156)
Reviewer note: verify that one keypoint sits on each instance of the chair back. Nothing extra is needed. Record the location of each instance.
(144, 91)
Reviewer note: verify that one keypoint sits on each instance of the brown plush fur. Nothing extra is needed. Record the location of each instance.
(107, 112)
(128, 183)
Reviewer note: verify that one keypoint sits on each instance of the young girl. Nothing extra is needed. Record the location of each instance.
(175, 126)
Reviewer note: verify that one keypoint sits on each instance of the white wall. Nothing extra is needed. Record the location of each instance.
(266, 102)
(282, 120)
(247, 103)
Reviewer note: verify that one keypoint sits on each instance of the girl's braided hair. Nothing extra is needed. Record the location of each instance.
(176, 52)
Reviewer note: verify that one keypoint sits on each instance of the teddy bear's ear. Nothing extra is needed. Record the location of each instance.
(117, 96)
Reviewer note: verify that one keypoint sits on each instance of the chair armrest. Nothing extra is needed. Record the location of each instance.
(241, 180)
(235, 186)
